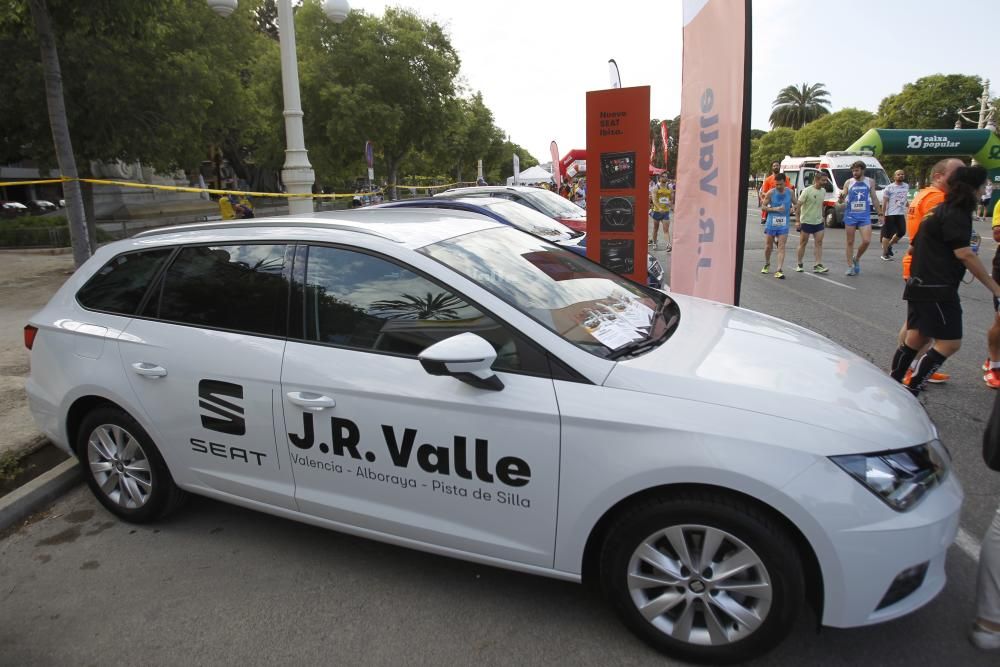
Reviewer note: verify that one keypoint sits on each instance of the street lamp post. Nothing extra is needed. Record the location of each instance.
(297, 174)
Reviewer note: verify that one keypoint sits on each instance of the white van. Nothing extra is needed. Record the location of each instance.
(801, 172)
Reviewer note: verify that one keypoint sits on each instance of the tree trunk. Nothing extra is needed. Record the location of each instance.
(393, 165)
(60, 131)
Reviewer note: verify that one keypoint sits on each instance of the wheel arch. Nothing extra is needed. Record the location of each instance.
(79, 410)
(810, 562)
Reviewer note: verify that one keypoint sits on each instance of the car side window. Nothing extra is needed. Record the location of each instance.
(121, 283)
(359, 300)
(235, 287)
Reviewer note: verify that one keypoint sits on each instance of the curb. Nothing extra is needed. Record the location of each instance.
(37, 493)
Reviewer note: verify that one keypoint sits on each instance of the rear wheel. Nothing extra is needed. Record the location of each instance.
(123, 467)
(702, 577)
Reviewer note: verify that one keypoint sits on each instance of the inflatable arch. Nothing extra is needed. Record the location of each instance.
(982, 145)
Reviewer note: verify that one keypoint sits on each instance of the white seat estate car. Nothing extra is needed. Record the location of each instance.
(437, 380)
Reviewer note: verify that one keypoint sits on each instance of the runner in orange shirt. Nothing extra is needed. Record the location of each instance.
(923, 203)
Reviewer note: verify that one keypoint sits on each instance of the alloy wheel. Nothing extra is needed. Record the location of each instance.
(699, 585)
(119, 466)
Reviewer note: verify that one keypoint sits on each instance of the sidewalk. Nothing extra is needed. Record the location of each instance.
(28, 279)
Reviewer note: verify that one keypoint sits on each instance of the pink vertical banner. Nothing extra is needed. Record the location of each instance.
(713, 155)
(556, 169)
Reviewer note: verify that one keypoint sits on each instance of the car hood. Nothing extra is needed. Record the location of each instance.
(742, 359)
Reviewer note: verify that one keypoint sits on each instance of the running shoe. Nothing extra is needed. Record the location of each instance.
(983, 638)
(668, 248)
(798, 268)
(938, 378)
(819, 268)
(885, 258)
(857, 267)
(779, 274)
(652, 242)
(992, 378)
(766, 269)
(986, 364)
(850, 271)
(906, 378)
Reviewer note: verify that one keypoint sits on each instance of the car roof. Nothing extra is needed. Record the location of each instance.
(410, 227)
(488, 188)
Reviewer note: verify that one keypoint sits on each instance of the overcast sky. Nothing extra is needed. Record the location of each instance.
(534, 60)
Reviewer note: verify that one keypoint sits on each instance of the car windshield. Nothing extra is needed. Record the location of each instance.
(581, 301)
(553, 205)
(881, 180)
(528, 220)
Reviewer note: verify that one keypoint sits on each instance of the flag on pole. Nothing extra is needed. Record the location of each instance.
(665, 135)
(616, 79)
(556, 170)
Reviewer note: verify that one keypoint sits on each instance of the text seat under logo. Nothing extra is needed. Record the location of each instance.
(223, 415)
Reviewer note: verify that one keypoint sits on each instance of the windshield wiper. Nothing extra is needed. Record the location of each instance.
(643, 344)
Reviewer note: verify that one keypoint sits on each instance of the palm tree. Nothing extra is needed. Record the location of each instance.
(441, 306)
(794, 107)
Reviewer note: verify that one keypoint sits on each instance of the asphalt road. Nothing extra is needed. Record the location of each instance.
(222, 585)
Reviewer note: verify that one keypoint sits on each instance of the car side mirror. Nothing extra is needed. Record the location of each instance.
(466, 357)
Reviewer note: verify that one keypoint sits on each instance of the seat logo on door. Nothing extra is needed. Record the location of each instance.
(218, 412)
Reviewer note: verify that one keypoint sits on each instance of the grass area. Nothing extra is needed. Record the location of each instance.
(34, 231)
(10, 464)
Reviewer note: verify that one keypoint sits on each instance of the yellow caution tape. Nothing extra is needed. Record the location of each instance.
(211, 191)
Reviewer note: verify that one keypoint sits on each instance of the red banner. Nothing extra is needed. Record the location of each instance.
(665, 136)
(618, 179)
(713, 160)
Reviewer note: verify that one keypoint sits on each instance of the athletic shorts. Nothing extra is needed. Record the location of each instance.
(895, 225)
(811, 229)
(857, 223)
(941, 320)
(661, 215)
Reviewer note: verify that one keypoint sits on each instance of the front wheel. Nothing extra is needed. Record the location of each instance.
(702, 577)
(123, 467)
(830, 218)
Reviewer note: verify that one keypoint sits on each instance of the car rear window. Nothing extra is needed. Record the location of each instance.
(121, 283)
(236, 287)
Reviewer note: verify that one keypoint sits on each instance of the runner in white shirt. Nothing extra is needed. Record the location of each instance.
(896, 203)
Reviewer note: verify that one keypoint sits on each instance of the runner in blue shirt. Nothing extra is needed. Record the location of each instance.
(858, 191)
(778, 207)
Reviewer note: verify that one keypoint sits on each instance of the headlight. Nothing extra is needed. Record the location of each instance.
(901, 477)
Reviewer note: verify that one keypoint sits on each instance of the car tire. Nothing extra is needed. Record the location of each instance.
(123, 467)
(830, 218)
(689, 607)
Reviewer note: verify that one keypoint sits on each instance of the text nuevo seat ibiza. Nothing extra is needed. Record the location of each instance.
(437, 380)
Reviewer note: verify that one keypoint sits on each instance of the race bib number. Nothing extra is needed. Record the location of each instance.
(859, 206)
(778, 221)
(664, 201)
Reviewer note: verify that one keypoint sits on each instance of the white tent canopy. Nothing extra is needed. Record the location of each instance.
(531, 175)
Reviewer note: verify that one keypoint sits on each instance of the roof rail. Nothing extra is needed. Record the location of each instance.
(271, 222)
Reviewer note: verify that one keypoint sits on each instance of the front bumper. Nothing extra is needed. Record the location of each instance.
(862, 545)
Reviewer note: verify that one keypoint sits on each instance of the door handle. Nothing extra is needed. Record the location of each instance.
(310, 401)
(149, 370)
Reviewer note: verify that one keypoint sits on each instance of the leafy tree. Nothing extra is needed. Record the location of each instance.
(833, 132)
(757, 134)
(772, 147)
(388, 79)
(931, 102)
(794, 107)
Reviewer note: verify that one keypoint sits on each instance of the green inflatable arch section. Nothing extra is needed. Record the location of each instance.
(983, 145)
